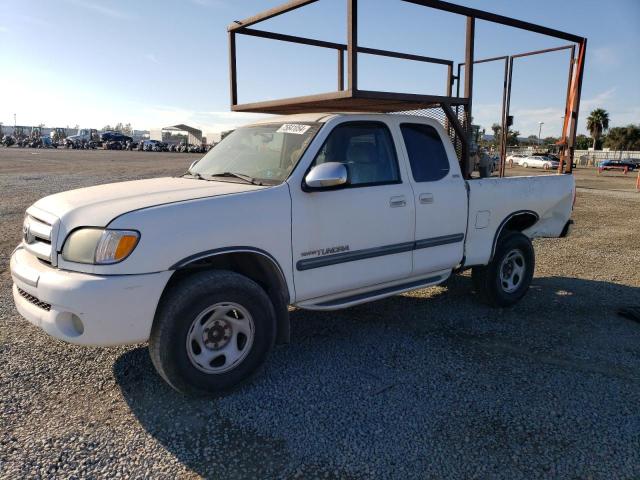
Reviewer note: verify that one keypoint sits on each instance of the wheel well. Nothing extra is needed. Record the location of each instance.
(516, 222)
(256, 266)
(519, 222)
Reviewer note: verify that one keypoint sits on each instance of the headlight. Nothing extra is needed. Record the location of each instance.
(99, 246)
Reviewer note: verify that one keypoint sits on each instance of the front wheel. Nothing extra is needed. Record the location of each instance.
(213, 331)
(525, 165)
(506, 279)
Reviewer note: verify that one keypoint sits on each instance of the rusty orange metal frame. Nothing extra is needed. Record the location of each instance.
(352, 98)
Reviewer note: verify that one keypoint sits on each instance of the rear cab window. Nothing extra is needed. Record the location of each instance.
(427, 155)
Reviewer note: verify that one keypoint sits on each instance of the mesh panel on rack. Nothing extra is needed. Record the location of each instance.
(438, 114)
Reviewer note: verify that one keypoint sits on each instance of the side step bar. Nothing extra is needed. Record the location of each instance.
(352, 300)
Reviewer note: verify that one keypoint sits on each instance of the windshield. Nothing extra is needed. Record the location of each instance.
(267, 153)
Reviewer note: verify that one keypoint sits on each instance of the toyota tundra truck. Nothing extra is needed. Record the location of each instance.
(316, 211)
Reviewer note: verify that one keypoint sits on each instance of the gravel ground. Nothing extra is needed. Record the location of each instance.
(429, 384)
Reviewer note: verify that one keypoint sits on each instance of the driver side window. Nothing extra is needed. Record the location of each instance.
(366, 149)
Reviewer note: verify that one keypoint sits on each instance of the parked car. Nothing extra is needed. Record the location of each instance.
(539, 161)
(618, 165)
(516, 158)
(85, 136)
(321, 211)
(115, 137)
(154, 146)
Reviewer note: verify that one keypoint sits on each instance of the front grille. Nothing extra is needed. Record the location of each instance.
(34, 300)
(37, 236)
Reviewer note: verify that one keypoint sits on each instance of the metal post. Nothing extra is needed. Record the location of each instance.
(567, 108)
(233, 84)
(340, 70)
(540, 132)
(352, 45)
(447, 126)
(503, 147)
(458, 93)
(468, 90)
(576, 105)
(507, 106)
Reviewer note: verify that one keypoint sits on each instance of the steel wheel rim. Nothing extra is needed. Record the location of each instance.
(220, 338)
(512, 271)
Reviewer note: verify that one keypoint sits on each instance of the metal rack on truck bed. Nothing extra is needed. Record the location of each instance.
(454, 111)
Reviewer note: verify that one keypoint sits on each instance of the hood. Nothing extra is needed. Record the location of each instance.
(99, 205)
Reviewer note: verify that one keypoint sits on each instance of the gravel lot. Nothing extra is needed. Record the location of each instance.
(429, 384)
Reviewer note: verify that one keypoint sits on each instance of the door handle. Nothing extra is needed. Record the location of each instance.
(426, 198)
(398, 201)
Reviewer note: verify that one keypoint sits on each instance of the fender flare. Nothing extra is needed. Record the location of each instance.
(280, 302)
(504, 223)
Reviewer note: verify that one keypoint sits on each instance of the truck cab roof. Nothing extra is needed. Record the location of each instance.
(324, 117)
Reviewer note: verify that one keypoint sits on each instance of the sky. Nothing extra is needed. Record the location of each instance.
(154, 63)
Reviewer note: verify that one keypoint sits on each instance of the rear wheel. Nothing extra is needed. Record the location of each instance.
(525, 165)
(213, 331)
(506, 279)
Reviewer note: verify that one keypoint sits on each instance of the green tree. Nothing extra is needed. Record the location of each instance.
(597, 124)
(532, 139)
(512, 137)
(497, 130)
(623, 138)
(583, 142)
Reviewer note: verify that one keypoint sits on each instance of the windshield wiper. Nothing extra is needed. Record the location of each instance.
(241, 176)
(193, 174)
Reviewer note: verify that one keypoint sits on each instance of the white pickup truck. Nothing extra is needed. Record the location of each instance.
(319, 211)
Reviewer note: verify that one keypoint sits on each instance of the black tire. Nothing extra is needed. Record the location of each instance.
(487, 280)
(178, 310)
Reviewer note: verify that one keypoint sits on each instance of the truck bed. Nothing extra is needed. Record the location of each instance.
(493, 200)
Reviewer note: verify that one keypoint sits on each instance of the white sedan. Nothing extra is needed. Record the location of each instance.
(539, 162)
(516, 158)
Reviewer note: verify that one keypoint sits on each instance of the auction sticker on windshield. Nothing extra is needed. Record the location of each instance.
(296, 128)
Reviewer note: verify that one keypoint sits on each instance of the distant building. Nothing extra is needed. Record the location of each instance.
(176, 133)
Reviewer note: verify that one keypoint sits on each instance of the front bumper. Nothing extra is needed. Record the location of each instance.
(82, 308)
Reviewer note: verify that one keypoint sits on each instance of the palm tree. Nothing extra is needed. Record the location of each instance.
(597, 123)
(496, 133)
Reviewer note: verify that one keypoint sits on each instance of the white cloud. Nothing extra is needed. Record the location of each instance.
(152, 58)
(101, 9)
(605, 57)
(526, 120)
(209, 121)
(599, 100)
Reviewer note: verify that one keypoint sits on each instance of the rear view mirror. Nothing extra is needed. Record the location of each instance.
(326, 175)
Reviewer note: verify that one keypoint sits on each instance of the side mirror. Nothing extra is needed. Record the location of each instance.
(326, 175)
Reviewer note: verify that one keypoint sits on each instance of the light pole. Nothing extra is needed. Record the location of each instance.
(540, 132)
